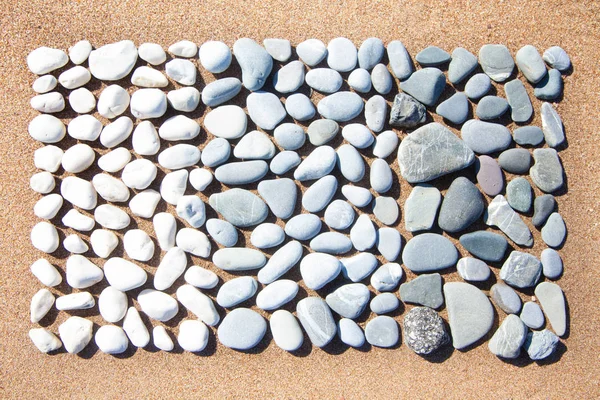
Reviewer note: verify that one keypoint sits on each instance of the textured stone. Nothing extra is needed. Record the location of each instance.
(552, 126)
(426, 85)
(424, 330)
(508, 339)
(540, 345)
(547, 171)
(425, 290)
(407, 112)
(462, 206)
(496, 61)
(501, 214)
(240, 207)
(421, 207)
(521, 270)
(316, 319)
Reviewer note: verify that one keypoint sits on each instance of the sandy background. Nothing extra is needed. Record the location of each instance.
(335, 372)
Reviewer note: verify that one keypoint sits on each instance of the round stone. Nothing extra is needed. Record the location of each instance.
(478, 86)
(201, 278)
(181, 71)
(112, 304)
(341, 54)
(341, 106)
(496, 61)
(221, 91)
(138, 245)
(228, 122)
(506, 298)
(289, 78)
(44, 84)
(113, 61)
(242, 329)
(382, 331)
(255, 62)
(429, 252)
(358, 135)
(216, 152)
(472, 269)
(265, 109)
(267, 235)
(303, 226)
(48, 158)
(424, 330)
(179, 156)
(532, 315)
(359, 80)
(311, 51)
(324, 80)
(318, 269)
(48, 103)
(386, 210)
(286, 330)
(350, 163)
(276, 294)
(387, 277)
(382, 79)
(193, 336)
(384, 303)
(552, 265)
(350, 333)
(113, 101)
(116, 132)
(148, 103)
(554, 230)
(358, 267)
(350, 300)
(289, 136)
(44, 237)
(152, 53)
(185, 99)
(215, 56)
(74, 77)
(194, 242)
(139, 174)
(281, 262)
(299, 107)
(47, 129)
(339, 215)
(157, 305)
(222, 232)
(489, 175)
(45, 59)
(42, 182)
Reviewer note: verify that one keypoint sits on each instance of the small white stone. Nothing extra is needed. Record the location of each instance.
(78, 158)
(200, 178)
(44, 84)
(138, 245)
(144, 203)
(82, 101)
(52, 102)
(165, 228)
(173, 186)
(75, 333)
(279, 49)
(116, 132)
(135, 329)
(47, 129)
(185, 99)
(194, 242)
(48, 158)
(145, 139)
(76, 220)
(254, 145)
(111, 217)
(46, 273)
(113, 101)
(44, 340)
(152, 53)
(74, 77)
(113, 61)
(85, 127)
(75, 301)
(79, 192)
(148, 77)
(228, 122)
(184, 48)
(192, 210)
(44, 237)
(112, 304)
(170, 268)
(82, 273)
(41, 303)
(148, 103)
(110, 188)
(103, 242)
(124, 275)
(74, 244)
(80, 51)
(111, 339)
(179, 127)
(201, 277)
(114, 160)
(181, 71)
(42, 182)
(139, 174)
(157, 305)
(286, 330)
(193, 335)
(199, 304)
(161, 338)
(215, 56)
(45, 59)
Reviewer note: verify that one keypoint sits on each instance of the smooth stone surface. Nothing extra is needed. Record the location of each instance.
(173, 186)
(236, 291)
(45, 59)
(540, 345)
(185, 99)
(280, 262)
(530, 63)
(75, 301)
(389, 243)
(358, 135)
(135, 328)
(552, 265)
(286, 330)
(485, 137)
(350, 300)
(222, 232)
(44, 237)
(103, 242)
(318, 269)
(489, 175)
(515, 161)
(491, 107)
(421, 207)
(462, 64)
(221, 91)
(194, 242)
(359, 196)
(339, 215)
(152, 53)
(184, 48)
(532, 315)
(199, 304)
(382, 79)
(472, 269)
(554, 231)
(319, 194)
(478, 86)
(276, 294)
(376, 113)
(528, 136)
(359, 80)
(547, 171)
(505, 298)
(550, 87)
(148, 77)
(382, 331)
(384, 303)
(47, 129)
(124, 275)
(496, 61)
(280, 195)
(508, 339)
(74, 244)
(552, 299)
(289, 78)
(241, 173)
(112, 304)
(44, 84)
(400, 61)
(311, 51)
(161, 339)
(432, 56)
(324, 80)
(227, 122)
(462, 206)
(171, 267)
(363, 233)
(350, 163)
(240, 207)
(424, 330)
(44, 340)
(117, 131)
(111, 217)
(74, 219)
(113, 101)
(48, 158)
(387, 277)
(350, 333)
(455, 109)
(341, 54)
(426, 85)
(380, 176)
(267, 235)
(215, 56)
(41, 303)
(385, 144)
(279, 49)
(201, 277)
(341, 106)
(470, 313)
(552, 126)
(75, 333)
(299, 107)
(358, 267)
(82, 100)
(179, 127)
(501, 214)
(303, 226)
(148, 103)
(48, 206)
(557, 58)
(385, 210)
(370, 53)
(519, 194)
(157, 305)
(407, 112)
(43, 182)
(193, 336)
(432, 151)
(265, 109)
(200, 178)
(316, 319)
(48, 103)
(238, 259)
(289, 136)
(425, 290)
(145, 139)
(486, 245)
(521, 270)
(317, 164)
(113, 61)
(322, 131)
(46, 273)
(255, 62)
(110, 188)
(115, 160)
(331, 243)
(429, 252)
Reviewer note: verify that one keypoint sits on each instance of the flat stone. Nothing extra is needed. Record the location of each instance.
(552, 126)
(289, 78)
(316, 319)
(532, 315)
(135, 329)
(496, 61)
(184, 48)
(103, 242)
(547, 171)
(216, 152)
(173, 186)
(376, 113)
(113, 101)
(279, 49)
(552, 299)
(400, 61)
(341, 106)
(317, 164)
(221, 91)
(117, 131)
(239, 259)
(382, 79)
(318, 269)
(381, 176)
(45, 59)
(179, 127)
(407, 112)
(74, 77)
(424, 330)
(286, 330)
(74, 219)
(491, 107)
(148, 77)
(75, 301)
(284, 162)
(281, 262)
(267, 235)
(44, 340)
(289, 136)
(349, 301)
(322, 131)
(319, 194)
(519, 194)
(432, 56)
(485, 137)
(508, 339)
(193, 336)
(236, 291)
(240, 207)
(501, 214)
(198, 304)
(227, 122)
(185, 99)
(265, 109)
(48, 103)
(486, 245)
(303, 226)
(311, 51)
(192, 210)
(242, 329)
(350, 333)
(46, 273)
(113, 61)
(429, 252)
(331, 243)
(521, 270)
(389, 243)
(110, 188)
(74, 244)
(387, 277)
(489, 175)
(478, 86)
(552, 265)
(47, 129)
(363, 234)
(528, 136)
(358, 267)
(171, 267)
(241, 173)
(557, 58)
(75, 333)
(358, 135)
(540, 345)
(382, 331)
(515, 161)
(324, 80)
(339, 215)
(201, 277)
(472, 269)
(425, 290)
(358, 196)
(370, 53)
(350, 163)
(148, 103)
(44, 84)
(385, 144)
(280, 195)
(462, 206)
(462, 64)
(277, 294)
(386, 210)
(158, 305)
(255, 62)
(215, 56)
(115, 160)
(530, 63)
(138, 245)
(455, 109)
(554, 230)
(421, 207)
(550, 87)
(41, 303)
(124, 275)
(426, 85)
(470, 313)
(384, 303)
(341, 54)
(222, 232)
(152, 53)
(432, 151)
(299, 107)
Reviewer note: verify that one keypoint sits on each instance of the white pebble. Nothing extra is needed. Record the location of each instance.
(286, 330)
(144, 203)
(200, 178)
(42, 182)
(79, 192)
(181, 71)
(74, 244)
(112, 304)
(85, 127)
(157, 305)
(145, 139)
(48, 206)
(161, 338)
(185, 99)
(46, 273)
(103, 242)
(76, 220)
(148, 103)
(173, 186)
(279, 49)
(80, 51)
(139, 174)
(82, 101)
(114, 160)
(148, 77)
(111, 217)
(45, 59)
(110, 188)
(74, 77)
(47, 129)
(116, 132)
(44, 237)
(41, 303)
(194, 242)
(138, 245)
(193, 335)
(48, 158)
(199, 304)
(201, 277)
(75, 301)
(179, 127)
(152, 53)
(111, 339)
(165, 228)
(78, 158)
(135, 329)
(44, 340)
(184, 48)
(192, 210)
(44, 84)
(82, 273)
(52, 102)
(170, 268)
(75, 333)
(215, 56)
(113, 101)
(124, 275)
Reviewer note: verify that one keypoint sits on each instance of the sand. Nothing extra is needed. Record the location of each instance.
(269, 372)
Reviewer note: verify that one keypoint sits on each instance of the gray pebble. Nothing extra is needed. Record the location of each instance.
(289, 136)
(385, 144)
(519, 194)
(284, 161)
(508, 339)
(311, 51)
(543, 206)
(501, 214)
(515, 161)
(242, 328)
(286, 330)
(303, 226)
(358, 135)
(552, 265)
(425, 290)
(221, 91)
(339, 215)
(532, 315)
(236, 291)
(485, 137)
(389, 243)
(557, 58)
(478, 86)
(552, 126)
(358, 267)
(462, 206)
(421, 207)
(387, 277)
(400, 61)
(363, 234)
(216, 152)
(547, 171)
(506, 298)
(552, 299)
(316, 319)
(386, 210)
(528, 136)
(496, 61)
(280, 262)
(491, 107)
(540, 345)
(349, 301)
(376, 113)
(238, 259)
(319, 194)
(341, 54)
(429, 252)
(267, 235)
(370, 53)
(299, 107)
(384, 303)
(550, 87)
(489, 175)
(426, 85)
(322, 131)
(554, 230)
(455, 109)
(240, 207)
(381, 176)
(289, 78)
(265, 109)
(382, 79)
(279, 49)
(341, 106)
(331, 243)
(318, 269)
(521, 109)
(521, 270)
(360, 80)
(222, 232)
(317, 164)
(472, 269)
(359, 196)
(407, 112)
(255, 62)
(424, 330)
(350, 333)
(280, 195)
(488, 246)
(324, 80)
(462, 64)
(382, 331)
(276, 294)
(432, 56)
(530, 63)
(241, 173)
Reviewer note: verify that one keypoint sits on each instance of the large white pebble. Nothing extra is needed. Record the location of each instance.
(111, 339)
(75, 333)
(113, 101)
(138, 245)
(112, 304)
(199, 304)
(116, 132)
(44, 340)
(173, 186)
(48, 103)
(135, 328)
(145, 139)
(148, 77)
(74, 244)
(194, 242)
(165, 228)
(42, 182)
(82, 273)
(74, 77)
(76, 220)
(113, 61)
(200, 178)
(46, 273)
(111, 217)
(124, 275)
(193, 335)
(110, 188)
(75, 301)
(47, 129)
(44, 84)
(148, 103)
(80, 51)
(185, 99)
(158, 305)
(179, 156)
(228, 122)
(144, 203)
(179, 127)
(48, 206)
(41, 303)
(170, 268)
(286, 330)
(85, 127)
(82, 100)
(215, 56)
(79, 192)
(44, 237)
(161, 338)
(201, 277)
(103, 242)
(45, 59)
(114, 160)
(152, 53)
(139, 174)
(48, 158)
(78, 158)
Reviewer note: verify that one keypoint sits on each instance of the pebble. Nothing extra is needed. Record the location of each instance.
(255, 62)
(239, 259)
(521, 270)
(152, 53)
(341, 106)
(501, 214)
(75, 301)
(350, 163)
(382, 331)
(179, 156)
(376, 113)
(115, 160)
(486, 245)
(386, 210)
(148, 103)
(531, 64)
(318, 269)
(299, 107)
(221, 91)
(48, 158)
(363, 234)
(519, 194)
(110, 188)
(46, 273)
(44, 84)
(103, 242)
(407, 112)
(179, 127)
(400, 61)
(113, 61)
(284, 161)
(124, 275)
(470, 313)
(48, 206)
(319, 194)
(478, 86)
(455, 109)
(554, 231)
(508, 339)
(316, 319)
(358, 267)
(370, 53)
(381, 176)
(183, 48)
(222, 232)
(462, 64)
(385, 144)
(552, 265)
(157, 305)
(339, 215)
(145, 139)
(265, 109)
(279, 49)
(350, 333)
(432, 151)
(41, 303)
(289, 78)
(485, 137)
(111, 339)
(547, 171)
(532, 315)
(199, 304)
(227, 122)
(280, 195)
(242, 329)
(200, 178)
(429, 252)
(161, 339)
(322, 131)
(267, 235)
(387, 277)
(384, 303)
(135, 329)
(241, 173)
(286, 330)
(171, 267)
(426, 85)
(462, 206)
(113, 101)
(74, 244)
(44, 237)
(281, 261)
(359, 80)
(424, 330)
(491, 107)
(185, 99)
(432, 56)
(472, 269)
(342, 55)
(505, 298)
(78, 192)
(550, 87)
(382, 79)
(331, 243)
(303, 226)
(324, 80)
(425, 290)
(358, 196)
(52, 102)
(201, 277)
(42, 182)
(552, 126)
(317, 164)
(117, 131)
(289, 136)
(74, 219)
(44, 340)
(193, 336)
(111, 217)
(138, 245)
(45, 59)
(240, 207)
(528, 136)
(173, 186)
(552, 299)
(236, 291)
(276, 294)
(181, 71)
(82, 100)
(80, 51)
(540, 345)
(311, 51)
(139, 174)
(496, 61)
(515, 161)
(216, 152)
(358, 135)
(112, 304)
(557, 58)
(74, 77)
(489, 175)
(350, 300)
(421, 207)
(215, 56)
(389, 243)
(75, 333)
(47, 129)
